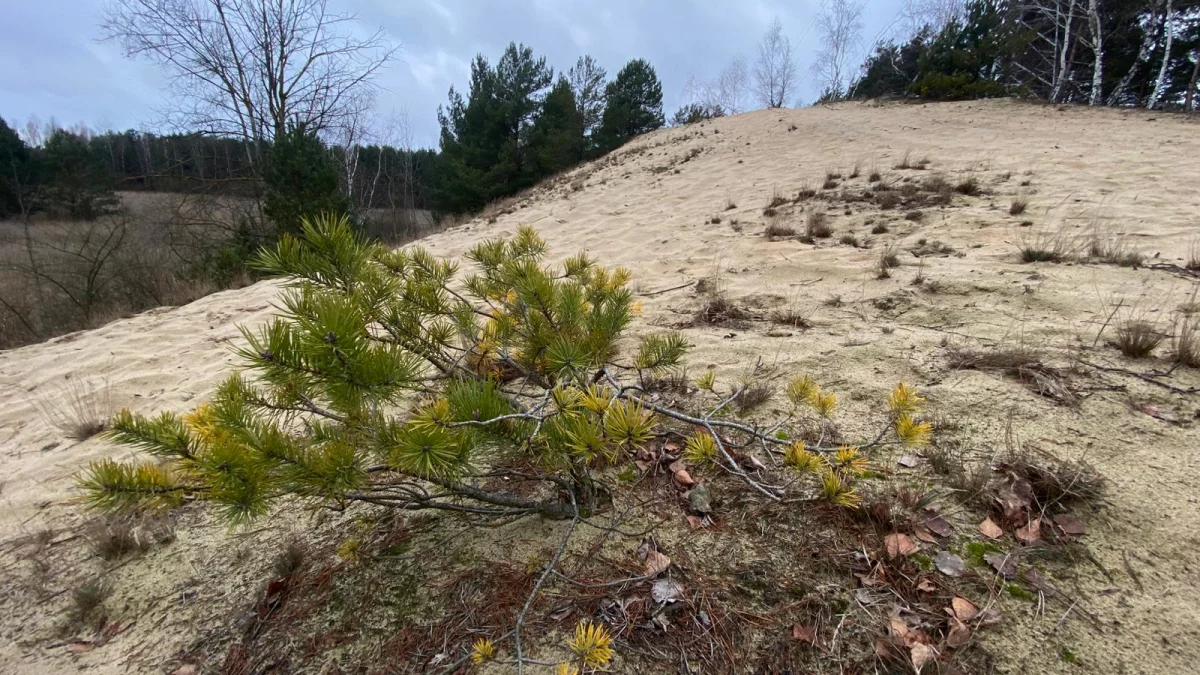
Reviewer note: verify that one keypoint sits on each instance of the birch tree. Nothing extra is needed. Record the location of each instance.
(839, 23)
(775, 68)
(1160, 81)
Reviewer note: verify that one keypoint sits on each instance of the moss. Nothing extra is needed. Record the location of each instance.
(781, 435)
(923, 561)
(1068, 656)
(1019, 592)
(977, 549)
(628, 474)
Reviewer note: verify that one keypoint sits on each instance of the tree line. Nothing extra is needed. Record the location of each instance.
(1142, 53)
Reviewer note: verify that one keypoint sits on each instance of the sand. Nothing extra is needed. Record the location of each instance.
(650, 207)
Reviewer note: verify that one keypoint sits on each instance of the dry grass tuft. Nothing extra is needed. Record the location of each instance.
(887, 261)
(78, 408)
(1137, 338)
(793, 317)
(718, 310)
(755, 394)
(816, 225)
(875, 176)
(880, 228)
(776, 230)
(87, 601)
(969, 187)
(1185, 340)
(290, 560)
(1054, 246)
(1193, 259)
(1055, 482)
(1018, 206)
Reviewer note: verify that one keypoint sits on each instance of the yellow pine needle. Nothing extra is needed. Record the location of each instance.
(823, 403)
(348, 549)
(596, 398)
(847, 459)
(434, 414)
(636, 308)
(565, 668)
(911, 432)
(592, 644)
(707, 380)
(801, 459)
(628, 424)
(837, 491)
(483, 650)
(701, 450)
(904, 400)
(800, 389)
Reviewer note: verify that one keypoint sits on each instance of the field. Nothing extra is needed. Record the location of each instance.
(1004, 258)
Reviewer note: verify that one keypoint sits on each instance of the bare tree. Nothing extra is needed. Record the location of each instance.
(587, 83)
(917, 14)
(1191, 89)
(840, 26)
(775, 68)
(1149, 39)
(249, 67)
(726, 93)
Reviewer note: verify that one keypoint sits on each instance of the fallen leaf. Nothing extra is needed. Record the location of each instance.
(988, 617)
(925, 535)
(665, 590)
(757, 464)
(684, 478)
(950, 564)
(1030, 533)
(695, 522)
(907, 461)
(677, 466)
(656, 563)
(938, 525)
(958, 635)
(964, 609)
(641, 465)
(990, 529)
(672, 447)
(882, 649)
(81, 647)
(1015, 498)
(804, 633)
(1003, 563)
(1070, 525)
(921, 654)
(899, 544)
(898, 627)
(926, 586)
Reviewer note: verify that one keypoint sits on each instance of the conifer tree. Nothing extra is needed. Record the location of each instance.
(633, 104)
(301, 178)
(391, 378)
(556, 141)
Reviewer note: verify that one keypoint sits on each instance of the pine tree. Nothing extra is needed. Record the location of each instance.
(633, 104)
(556, 141)
(390, 379)
(77, 182)
(301, 180)
(16, 168)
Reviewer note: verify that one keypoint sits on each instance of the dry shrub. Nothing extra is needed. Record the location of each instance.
(1136, 338)
(87, 601)
(875, 176)
(729, 203)
(904, 162)
(1022, 363)
(880, 228)
(804, 194)
(856, 171)
(936, 183)
(290, 560)
(969, 186)
(914, 216)
(816, 225)
(888, 200)
(776, 200)
(1018, 206)
(78, 408)
(831, 180)
(1055, 482)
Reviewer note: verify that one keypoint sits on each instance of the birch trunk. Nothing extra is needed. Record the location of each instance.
(1168, 26)
(1148, 41)
(1097, 51)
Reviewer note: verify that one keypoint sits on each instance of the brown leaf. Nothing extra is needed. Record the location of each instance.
(656, 563)
(641, 465)
(899, 544)
(958, 635)
(1070, 525)
(672, 447)
(804, 633)
(964, 610)
(1038, 582)
(939, 525)
(1003, 563)
(684, 478)
(1030, 533)
(883, 650)
(907, 461)
(921, 654)
(695, 522)
(926, 586)
(990, 529)
(897, 627)
(924, 535)
(677, 466)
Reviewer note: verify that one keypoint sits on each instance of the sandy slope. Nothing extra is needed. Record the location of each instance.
(649, 208)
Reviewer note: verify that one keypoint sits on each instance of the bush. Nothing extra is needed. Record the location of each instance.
(300, 179)
(956, 87)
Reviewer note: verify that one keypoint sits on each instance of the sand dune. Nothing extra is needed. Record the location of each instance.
(653, 207)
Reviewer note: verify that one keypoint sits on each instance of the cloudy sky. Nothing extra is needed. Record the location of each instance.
(52, 64)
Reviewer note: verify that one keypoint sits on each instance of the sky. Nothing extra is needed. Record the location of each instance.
(54, 65)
